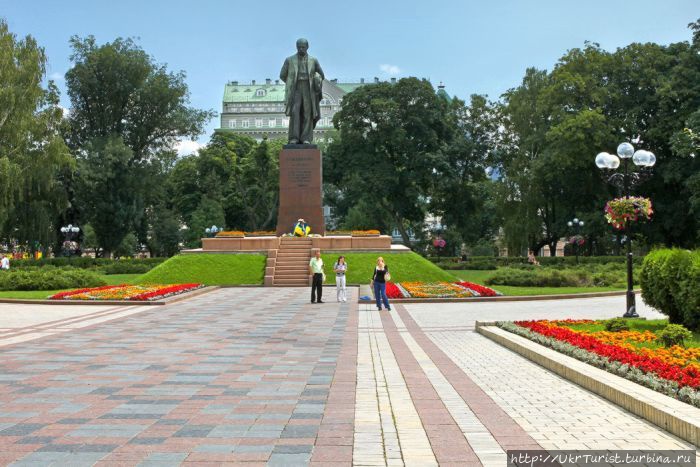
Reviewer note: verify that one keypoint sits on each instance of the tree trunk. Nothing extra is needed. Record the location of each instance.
(402, 230)
(553, 248)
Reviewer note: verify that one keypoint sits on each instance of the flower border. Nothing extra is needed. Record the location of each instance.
(648, 379)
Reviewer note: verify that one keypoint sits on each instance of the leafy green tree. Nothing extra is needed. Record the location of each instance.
(132, 111)
(32, 151)
(165, 234)
(392, 138)
(208, 213)
(461, 190)
(254, 191)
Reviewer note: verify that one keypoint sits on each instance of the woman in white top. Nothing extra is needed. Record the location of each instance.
(340, 267)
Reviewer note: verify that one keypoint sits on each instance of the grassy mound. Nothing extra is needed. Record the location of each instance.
(404, 267)
(208, 269)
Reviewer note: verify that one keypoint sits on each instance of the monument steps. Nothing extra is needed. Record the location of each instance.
(292, 262)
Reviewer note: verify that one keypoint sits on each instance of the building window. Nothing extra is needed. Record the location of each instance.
(258, 123)
(285, 122)
(245, 123)
(260, 93)
(272, 123)
(232, 124)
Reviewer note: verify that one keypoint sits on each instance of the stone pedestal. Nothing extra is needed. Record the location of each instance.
(300, 188)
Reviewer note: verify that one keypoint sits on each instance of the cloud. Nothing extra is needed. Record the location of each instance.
(186, 147)
(390, 69)
(66, 111)
(57, 76)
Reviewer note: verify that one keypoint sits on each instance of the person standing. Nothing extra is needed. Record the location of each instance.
(303, 79)
(340, 268)
(379, 278)
(316, 268)
(5, 263)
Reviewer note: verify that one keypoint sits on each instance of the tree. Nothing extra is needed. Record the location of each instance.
(462, 189)
(132, 110)
(32, 151)
(392, 138)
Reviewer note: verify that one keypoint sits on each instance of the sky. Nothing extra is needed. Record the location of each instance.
(480, 47)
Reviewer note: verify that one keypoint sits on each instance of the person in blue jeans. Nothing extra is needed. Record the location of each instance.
(379, 279)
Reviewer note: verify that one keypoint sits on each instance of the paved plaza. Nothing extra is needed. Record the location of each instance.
(259, 376)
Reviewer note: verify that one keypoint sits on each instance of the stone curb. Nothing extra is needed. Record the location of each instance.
(165, 301)
(509, 298)
(674, 416)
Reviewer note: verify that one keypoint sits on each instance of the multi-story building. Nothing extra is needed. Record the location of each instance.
(257, 109)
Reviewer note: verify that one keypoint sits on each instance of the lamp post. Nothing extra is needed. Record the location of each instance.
(69, 231)
(576, 225)
(213, 230)
(625, 181)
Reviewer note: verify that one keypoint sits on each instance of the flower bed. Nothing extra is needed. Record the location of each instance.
(365, 233)
(479, 290)
(674, 371)
(139, 293)
(437, 290)
(230, 234)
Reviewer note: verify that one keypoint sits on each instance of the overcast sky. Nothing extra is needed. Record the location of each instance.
(473, 47)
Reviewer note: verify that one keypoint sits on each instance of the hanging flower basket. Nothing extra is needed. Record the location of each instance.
(619, 210)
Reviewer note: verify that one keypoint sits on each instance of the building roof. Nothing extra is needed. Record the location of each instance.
(234, 92)
(274, 91)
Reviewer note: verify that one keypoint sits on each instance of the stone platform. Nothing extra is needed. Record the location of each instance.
(330, 242)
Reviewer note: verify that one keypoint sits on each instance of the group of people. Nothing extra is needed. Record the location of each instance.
(380, 277)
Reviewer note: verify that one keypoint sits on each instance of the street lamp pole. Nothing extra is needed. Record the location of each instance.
(625, 181)
(576, 224)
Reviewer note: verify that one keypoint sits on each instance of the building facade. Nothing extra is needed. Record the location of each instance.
(257, 109)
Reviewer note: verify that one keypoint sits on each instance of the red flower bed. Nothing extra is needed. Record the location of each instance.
(392, 291)
(684, 376)
(164, 291)
(68, 293)
(483, 291)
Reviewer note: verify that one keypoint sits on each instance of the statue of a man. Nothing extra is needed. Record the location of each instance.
(303, 77)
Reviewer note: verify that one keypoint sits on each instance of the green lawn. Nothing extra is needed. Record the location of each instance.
(404, 267)
(208, 269)
(480, 277)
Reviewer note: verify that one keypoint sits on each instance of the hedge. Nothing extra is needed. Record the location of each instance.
(84, 262)
(49, 278)
(670, 281)
(505, 261)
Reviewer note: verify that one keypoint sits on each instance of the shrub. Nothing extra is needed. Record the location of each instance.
(674, 334)
(616, 325)
(661, 279)
(539, 278)
(48, 278)
(689, 292)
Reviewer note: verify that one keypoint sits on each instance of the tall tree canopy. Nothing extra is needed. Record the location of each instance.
(391, 146)
(33, 155)
(126, 114)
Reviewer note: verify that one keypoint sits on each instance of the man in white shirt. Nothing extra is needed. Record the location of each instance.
(5, 263)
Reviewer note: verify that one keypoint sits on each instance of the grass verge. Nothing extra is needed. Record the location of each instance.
(480, 277)
(404, 267)
(208, 269)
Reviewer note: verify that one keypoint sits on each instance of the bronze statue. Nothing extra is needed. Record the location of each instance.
(303, 77)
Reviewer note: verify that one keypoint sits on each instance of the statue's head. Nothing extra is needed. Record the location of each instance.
(302, 46)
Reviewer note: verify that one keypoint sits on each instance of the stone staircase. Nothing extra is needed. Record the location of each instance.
(292, 262)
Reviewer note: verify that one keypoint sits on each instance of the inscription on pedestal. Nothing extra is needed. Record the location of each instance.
(300, 188)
